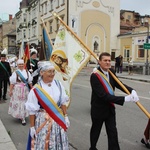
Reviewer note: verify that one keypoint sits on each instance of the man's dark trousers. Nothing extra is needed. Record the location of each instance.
(110, 124)
(3, 84)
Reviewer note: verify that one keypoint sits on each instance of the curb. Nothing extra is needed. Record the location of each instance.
(142, 80)
(5, 140)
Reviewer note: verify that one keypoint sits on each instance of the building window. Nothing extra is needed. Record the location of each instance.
(42, 10)
(33, 31)
(29, 16)
(33, 13)
(140, 51)
(126, 54)
(24, 17)
(51, 5)
(24, 33)
(63, 1)
(112, 56)
(129, 17)
(57, 3)
(29, 33)
(45, 8)
(50, 27)
(57, 24)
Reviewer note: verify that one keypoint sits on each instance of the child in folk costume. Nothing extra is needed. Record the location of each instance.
(47, 108)
(20, 84)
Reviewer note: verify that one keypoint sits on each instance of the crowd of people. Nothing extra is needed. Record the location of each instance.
(25, 101)
(35, 93)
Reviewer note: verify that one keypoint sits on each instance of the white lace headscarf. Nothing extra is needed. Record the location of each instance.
(42, 66)
(20, 61)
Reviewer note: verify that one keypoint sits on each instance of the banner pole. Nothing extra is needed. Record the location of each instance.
(93, 54)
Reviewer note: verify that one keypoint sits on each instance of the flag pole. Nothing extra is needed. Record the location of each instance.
(29, 55)
(93, 54)
(126, 90)
(42, 47)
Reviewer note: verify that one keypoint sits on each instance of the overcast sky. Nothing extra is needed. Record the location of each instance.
(141, 6)
(9, 7)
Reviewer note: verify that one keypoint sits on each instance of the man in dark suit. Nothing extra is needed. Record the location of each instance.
(32, 65)
(5, 73)
(102, 102)
(117, 63)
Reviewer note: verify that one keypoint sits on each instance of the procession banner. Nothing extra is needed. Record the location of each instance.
(93, 54)
(68, 57)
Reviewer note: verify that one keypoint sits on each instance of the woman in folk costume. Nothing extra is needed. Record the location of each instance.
(20, 83)
(47, 109)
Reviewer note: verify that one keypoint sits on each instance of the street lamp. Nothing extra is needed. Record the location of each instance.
(147, 64)
(147, 41)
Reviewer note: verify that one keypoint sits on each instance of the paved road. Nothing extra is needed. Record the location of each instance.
(130, 120)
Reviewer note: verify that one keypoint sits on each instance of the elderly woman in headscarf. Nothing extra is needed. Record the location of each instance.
(20, 84)
(48, 113)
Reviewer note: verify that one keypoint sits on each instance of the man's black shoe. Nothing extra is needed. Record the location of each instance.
(4, 98)
(146, 144)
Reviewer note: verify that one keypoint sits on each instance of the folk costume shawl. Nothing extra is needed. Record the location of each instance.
(22, 78)
(107, 86)
(50, 106)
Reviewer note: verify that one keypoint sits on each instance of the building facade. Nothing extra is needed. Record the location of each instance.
(132, 42)
(27, 20)
(8, 34)
(100, 24)
(93, 21)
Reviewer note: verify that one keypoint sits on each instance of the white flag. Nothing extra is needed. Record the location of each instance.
(69, 57)
(4, 51)
(21, 50)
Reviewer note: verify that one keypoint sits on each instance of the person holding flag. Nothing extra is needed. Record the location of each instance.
(32, 64)
(48, 113)
(102, 102)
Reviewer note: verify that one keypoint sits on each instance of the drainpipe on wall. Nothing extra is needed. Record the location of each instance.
(67, 12)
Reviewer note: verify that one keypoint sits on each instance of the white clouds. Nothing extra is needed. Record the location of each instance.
(9, 7)
(140, 6)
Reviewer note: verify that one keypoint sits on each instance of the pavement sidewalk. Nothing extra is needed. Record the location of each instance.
(5, 140)
(124, 74)
(138, 77)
